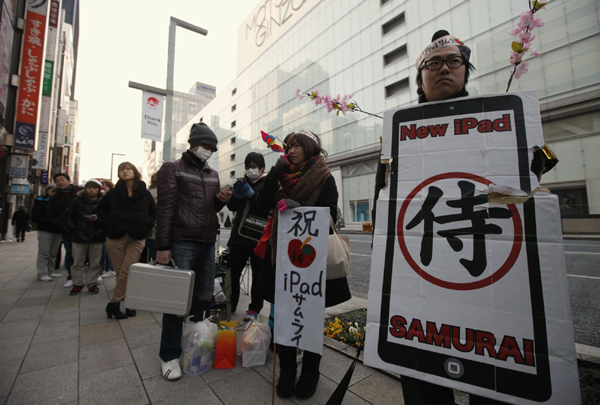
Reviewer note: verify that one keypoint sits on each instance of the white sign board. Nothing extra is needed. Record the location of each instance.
(267, 23)
(469, 290)
(152, 115)
(302, 245)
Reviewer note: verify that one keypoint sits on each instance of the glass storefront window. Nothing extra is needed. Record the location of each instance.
(573, 202)
(360, 211)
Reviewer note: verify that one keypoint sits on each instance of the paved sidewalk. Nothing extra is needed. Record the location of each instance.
(57, 349)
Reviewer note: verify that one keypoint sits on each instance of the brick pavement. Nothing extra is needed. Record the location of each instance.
(57, 349)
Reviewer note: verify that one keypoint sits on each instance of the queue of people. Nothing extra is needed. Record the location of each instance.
(183, 201)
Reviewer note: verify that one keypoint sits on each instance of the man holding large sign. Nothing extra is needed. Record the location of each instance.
(471, 293)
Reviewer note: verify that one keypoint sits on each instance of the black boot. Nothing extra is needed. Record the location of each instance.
(287, 371)
(309, 378)
(112, 308)
(130, 312)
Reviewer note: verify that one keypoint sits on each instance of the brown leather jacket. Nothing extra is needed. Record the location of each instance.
(187, 202)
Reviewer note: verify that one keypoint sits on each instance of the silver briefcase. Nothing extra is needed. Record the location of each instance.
(159, 288)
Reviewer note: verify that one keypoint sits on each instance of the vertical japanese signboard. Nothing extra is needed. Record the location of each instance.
(32, 67)
(302, 245)
(152, 115)
(6, 40)
(468, 282)
(40, 156)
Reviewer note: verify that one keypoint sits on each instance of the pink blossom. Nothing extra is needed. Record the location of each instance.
(299, 93)
(521, 69)
(527, 37)
(349, 96)
(515, 30)
(525, 19)
(535, 52)
(318, 100)
(537, 23)
(515, 57)
(328, 102)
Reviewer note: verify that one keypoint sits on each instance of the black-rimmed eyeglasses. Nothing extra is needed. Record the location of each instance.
(436, 64)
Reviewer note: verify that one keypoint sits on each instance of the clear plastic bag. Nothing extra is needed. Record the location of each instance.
(198, 346)
(255, 344)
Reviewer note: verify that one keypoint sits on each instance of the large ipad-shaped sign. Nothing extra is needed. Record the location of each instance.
(468, 282)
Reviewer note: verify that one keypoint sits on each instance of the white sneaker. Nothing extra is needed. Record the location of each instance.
(171, 370)
(56, 275)
(45, 278)
(110, 273)
(99, 279)
(68, 284)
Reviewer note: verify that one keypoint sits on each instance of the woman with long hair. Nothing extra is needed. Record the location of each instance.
(299, 178)
(127, 213)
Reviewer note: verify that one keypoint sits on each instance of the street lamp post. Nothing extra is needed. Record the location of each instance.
(112, 155)
(175, 22)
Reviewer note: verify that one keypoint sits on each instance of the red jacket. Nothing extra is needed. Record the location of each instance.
(187, 202)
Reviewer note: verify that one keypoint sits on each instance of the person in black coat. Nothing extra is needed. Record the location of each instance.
(87, 236)
(127, 213)
(299, 178)
(49, 236)
(241, 244)
(20, 221)
(65, 193)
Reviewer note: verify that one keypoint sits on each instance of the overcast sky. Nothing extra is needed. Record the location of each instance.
(127, 40)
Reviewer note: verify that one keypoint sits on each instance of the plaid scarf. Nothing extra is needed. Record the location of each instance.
(290, 179)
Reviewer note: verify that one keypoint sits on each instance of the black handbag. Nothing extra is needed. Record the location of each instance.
(251, 226)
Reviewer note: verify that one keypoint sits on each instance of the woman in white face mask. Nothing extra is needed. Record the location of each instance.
(245, 232)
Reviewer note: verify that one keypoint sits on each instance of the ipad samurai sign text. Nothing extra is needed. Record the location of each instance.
(468, 282)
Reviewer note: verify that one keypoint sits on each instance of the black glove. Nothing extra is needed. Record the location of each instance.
(281, 166)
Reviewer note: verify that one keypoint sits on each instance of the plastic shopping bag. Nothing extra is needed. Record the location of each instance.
(198, 346)
(218, 292)
(226, 345)
(255, 344)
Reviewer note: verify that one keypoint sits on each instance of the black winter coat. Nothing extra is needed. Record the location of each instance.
(76, 220)
(58, 206)
(122, 215)
(187, 202)
(336, 291)
(239, 206)
(20, 220)
(40, 214)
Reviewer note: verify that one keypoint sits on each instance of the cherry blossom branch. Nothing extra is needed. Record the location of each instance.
(338, 104)
(519, 48)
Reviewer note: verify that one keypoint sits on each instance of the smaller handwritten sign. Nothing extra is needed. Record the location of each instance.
(302, 244)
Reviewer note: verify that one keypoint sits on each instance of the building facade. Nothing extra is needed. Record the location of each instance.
(369, 48)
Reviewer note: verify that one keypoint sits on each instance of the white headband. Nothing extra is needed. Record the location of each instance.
(309, 134)
(439, 43)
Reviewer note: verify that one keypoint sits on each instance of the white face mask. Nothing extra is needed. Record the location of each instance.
(202, 154)
(252, 173)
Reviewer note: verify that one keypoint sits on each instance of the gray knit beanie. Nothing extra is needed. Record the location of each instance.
(201, 134)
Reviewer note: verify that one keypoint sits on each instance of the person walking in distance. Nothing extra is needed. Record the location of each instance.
(49, 236)
(127, 213)
(65, 193)
(243, 239)
(189, 198)
(20, 221)
(87, 236)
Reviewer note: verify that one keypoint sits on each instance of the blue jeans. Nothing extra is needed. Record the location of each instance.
(68, 244)
(201, 259)
(105, 260)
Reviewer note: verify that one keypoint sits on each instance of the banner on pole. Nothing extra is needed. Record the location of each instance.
(468, 284)
(32, 68)
(302, 245)
(152, 115)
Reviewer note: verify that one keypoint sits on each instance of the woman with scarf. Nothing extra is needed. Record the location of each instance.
(127, 213)
(299, 178)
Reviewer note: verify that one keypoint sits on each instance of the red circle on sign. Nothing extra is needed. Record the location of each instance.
(498, 274)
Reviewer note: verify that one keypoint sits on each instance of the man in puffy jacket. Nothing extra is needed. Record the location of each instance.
(49, 236)
(87, 237)
(189, 198)
(65, 193)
